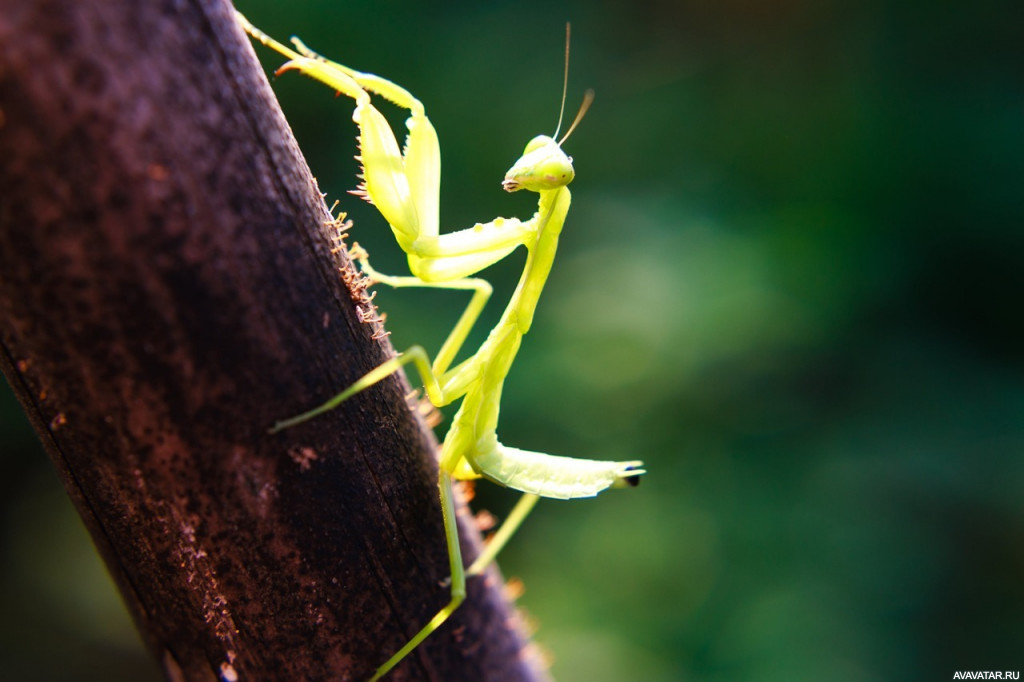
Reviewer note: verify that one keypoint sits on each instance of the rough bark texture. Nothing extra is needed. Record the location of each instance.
(167, 291)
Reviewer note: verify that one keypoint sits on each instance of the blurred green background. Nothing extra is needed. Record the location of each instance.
(790, 281)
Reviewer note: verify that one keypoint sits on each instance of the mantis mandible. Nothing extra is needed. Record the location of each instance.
(404, 186)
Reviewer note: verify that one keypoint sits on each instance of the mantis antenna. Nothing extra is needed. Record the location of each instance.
(588, 96)
(565, 81)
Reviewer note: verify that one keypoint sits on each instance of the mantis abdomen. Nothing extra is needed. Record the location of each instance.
(562, 478)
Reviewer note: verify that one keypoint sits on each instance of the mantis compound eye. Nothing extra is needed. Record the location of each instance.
(537, 143)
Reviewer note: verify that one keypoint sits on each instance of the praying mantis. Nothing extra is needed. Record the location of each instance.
(404, 186)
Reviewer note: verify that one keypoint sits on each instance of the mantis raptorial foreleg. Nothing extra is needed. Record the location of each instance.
(404, 186)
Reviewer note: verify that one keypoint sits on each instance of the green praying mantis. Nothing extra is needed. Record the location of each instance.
(404, 186)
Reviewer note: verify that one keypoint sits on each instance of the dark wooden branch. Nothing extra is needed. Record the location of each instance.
(167, 291)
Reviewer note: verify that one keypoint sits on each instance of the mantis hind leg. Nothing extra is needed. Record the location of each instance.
(508, 528)
(458, 578)
(458, 573)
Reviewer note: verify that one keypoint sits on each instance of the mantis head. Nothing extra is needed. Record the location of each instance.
(543, 166)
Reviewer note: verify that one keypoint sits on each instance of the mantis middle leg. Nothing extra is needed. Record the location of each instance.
(441, 384)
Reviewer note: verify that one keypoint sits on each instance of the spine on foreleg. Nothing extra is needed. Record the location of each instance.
(561, 478)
